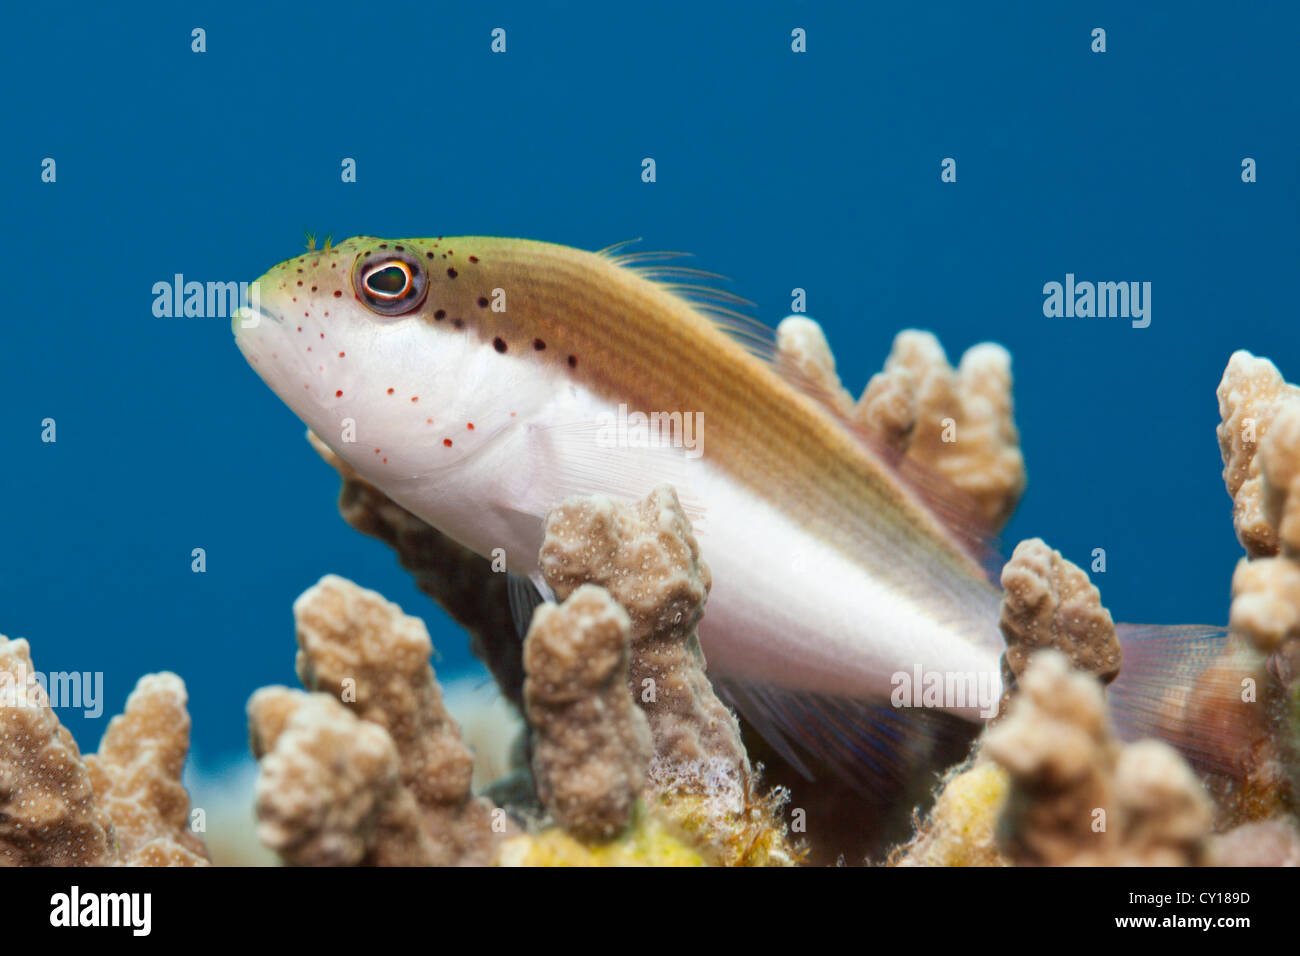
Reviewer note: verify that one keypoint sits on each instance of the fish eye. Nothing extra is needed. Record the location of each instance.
(390, 283)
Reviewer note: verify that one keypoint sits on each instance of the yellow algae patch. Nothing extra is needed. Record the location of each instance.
(648, 842)
(961, 829)
(753, 835)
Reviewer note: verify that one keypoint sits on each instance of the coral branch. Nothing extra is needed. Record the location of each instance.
(137, 776)
(1266, 602)
(1048, 602)
(592, 743)
(122, 807)
(804, 357)
(363, 651)
(1079, 797)
(48, 811)
(647, 557)
(330, 790)
(1251, 395)
(960, 423)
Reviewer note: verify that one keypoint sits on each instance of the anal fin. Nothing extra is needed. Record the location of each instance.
(524, 596)
(880, 751)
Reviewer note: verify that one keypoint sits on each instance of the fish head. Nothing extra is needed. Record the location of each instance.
(367, 342)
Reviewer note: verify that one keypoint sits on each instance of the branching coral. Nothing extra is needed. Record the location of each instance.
(1273, 842)
(635, 758)
(1050, 785)
(1251, 396)
(330, 790)
(124, 806)
(958, 423)
(137, 776)
(964, 420)
(1266, 590)
(1260, 440)
(699, 777)
(388, 763)
(592, 744)
(48, 811)
(647, 557)
(1279, 467)
(1078, 797)
(1052, 770)
(804, 356)
(371, 771)
(1266, 601)
(1048, 602)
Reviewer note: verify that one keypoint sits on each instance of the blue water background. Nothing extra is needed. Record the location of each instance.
(818, 171)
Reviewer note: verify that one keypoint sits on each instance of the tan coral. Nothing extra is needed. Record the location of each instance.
(1279, 468)
(1048, 602)
(958, 423)
(1266, 601)
(592, 743)
(1274, 842)
(964, 425)
(363, 651)
(804, 357)
(1260, 441)
(888, 407)
(1055, 745)
(646, 555)
(1078, 796)
(137, 776)
(702, 755)
(48, 812)
(1164, 813)
(1251, 395)
(1052, 786)
(124, 806)
(330, 790)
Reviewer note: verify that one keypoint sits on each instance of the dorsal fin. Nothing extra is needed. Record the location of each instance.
(709, 300)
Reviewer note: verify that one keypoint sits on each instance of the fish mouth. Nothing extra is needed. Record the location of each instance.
(250, 317)
(260, 337)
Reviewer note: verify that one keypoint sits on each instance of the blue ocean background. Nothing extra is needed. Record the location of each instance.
(780, 170)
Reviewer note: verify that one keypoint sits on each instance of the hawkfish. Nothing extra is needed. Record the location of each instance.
(478, 382)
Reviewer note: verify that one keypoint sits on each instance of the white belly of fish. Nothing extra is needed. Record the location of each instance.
(786, 608)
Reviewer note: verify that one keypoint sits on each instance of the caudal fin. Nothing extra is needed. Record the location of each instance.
(1197, 689)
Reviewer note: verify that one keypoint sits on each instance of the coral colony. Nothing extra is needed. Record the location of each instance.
(627, 755)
